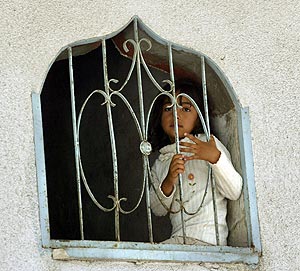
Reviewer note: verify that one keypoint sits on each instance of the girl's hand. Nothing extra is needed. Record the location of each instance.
(176, 167)
(200, 149)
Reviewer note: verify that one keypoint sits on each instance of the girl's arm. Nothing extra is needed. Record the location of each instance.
(228, 180)
(176, 167)
(159, 202)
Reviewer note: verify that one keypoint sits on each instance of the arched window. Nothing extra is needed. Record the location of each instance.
(93, 155)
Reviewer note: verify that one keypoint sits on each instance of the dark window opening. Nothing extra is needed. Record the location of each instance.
(95, 150)
(95, 144)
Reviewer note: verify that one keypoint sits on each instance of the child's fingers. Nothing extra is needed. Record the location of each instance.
(192, 157)
(178, 156)
(193, 138)
(176, 169)
(189, 147)
(177, 162)
(178, 159)
(179, 171)
(175, 172)
(186, 144)
(189, 150)
(212, 139)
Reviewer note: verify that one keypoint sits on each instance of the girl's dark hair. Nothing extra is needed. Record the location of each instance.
(156, 134)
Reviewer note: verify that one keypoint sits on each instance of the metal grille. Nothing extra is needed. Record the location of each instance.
(89, 249)
(142, 124)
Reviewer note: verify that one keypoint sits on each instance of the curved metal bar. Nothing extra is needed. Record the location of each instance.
(107, 99)
(155, 190)
(205, 130)
(131, 67)
(130, 110)
(148, 42)
(207, 137)
(148, 71)
(197, 110)
(203, 197)
(173, 102)
(148, 165)
(92, 195)
(138, 203)
(152, 104)
(141, 138)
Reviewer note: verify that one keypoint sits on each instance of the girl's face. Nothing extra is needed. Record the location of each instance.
(187, 118)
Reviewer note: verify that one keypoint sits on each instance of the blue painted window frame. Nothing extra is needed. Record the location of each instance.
(131, 251)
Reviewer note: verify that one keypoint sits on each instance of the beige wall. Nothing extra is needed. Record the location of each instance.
(256, 44)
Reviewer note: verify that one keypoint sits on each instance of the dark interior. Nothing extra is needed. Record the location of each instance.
(95, 150)
(95, 144)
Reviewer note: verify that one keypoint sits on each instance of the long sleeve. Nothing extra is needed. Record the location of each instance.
(201, 224)
(228, 180)
(159, 202)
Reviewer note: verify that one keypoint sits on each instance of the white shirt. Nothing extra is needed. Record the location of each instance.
(194, 180)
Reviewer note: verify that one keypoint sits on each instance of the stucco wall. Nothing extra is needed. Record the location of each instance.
(256, 44)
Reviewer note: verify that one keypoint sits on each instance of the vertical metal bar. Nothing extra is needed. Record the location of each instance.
(76, 143)
(139, 78)
(177, 141)
(113, 144)
(203, 76)
(213, 184)
(142, 118)
(149, 219)
(40, 168)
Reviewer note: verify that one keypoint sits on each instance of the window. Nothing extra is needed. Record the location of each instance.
(92, 159)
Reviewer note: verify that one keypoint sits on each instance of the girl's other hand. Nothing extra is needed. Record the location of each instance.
(176, 167)
(201, 150)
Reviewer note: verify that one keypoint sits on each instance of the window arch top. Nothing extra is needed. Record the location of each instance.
(117, 73)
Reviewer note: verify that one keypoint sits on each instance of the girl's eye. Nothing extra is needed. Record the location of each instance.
(186, 109)
(167, 109)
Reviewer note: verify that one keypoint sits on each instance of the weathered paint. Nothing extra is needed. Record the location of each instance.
(184, 253)
(40, 169)
(248, 173)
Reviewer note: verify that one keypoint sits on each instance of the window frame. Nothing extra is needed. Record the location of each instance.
(113, 250)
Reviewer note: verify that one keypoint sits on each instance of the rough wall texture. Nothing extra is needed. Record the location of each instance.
(256, 44)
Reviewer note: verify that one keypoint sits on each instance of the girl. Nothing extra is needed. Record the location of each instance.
(192, 163)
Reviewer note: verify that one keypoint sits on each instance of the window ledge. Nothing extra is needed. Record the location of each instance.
(143, 252)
